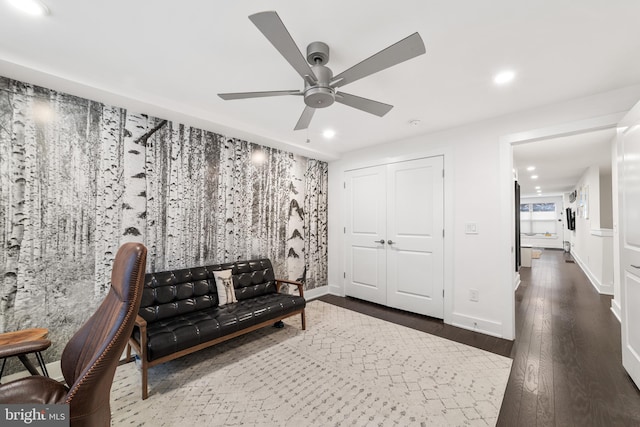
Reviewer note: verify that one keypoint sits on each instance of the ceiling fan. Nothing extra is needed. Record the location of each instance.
(320, 85)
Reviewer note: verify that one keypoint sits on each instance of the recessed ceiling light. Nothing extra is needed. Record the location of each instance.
(31, 7)
(329, 133)
(504, 77)
(537, 187)
(531, 168)
(534, 176)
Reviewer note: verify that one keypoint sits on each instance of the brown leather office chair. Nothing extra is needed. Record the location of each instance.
(90, 358)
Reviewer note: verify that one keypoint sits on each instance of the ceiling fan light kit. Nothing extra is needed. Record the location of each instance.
(320, 85)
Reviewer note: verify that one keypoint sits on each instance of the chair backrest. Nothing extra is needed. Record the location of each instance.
(90, 358)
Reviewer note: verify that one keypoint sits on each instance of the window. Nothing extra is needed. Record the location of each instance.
(538, 219)
(544, 207)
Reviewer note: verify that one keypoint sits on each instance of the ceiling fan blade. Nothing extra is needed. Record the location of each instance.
(305, 118)
(373, 107)
(243, 95)
(403, 50)
(270, 24)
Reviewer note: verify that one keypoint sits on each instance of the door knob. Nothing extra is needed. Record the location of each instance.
(391, 242)
(379, 241)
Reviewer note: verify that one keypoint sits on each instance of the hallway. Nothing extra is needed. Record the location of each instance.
(567, 367)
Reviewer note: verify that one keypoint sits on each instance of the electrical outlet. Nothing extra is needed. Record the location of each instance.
(474, 295)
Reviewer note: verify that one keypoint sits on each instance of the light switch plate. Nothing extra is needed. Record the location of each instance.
(471, 228)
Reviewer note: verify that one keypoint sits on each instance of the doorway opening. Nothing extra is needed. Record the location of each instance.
(566, 201)
(507, 145)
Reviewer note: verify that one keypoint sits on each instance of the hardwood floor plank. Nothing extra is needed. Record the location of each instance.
(516, 396)
(545, 414)
(530, 360)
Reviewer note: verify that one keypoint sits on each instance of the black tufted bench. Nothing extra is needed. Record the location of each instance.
(180, 314)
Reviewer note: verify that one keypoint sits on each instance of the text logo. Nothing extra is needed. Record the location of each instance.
(34, 415)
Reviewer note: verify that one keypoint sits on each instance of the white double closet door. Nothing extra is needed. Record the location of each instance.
(394, 235)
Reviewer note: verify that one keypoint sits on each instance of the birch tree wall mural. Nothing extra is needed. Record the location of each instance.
(79, 178)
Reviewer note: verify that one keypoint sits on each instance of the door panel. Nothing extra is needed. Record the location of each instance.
(631, 196)
(365, 263)
(629, 187)
(410, 276)
(632, 315)
(415, 222)
(361, 273)
(411, 199)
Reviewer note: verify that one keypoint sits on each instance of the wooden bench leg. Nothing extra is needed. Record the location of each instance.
(145, 391)
(304, 323)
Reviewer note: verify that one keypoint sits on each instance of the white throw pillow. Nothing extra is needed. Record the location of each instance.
(224, 286)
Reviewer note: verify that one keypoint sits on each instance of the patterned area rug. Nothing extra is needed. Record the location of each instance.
(346, 369)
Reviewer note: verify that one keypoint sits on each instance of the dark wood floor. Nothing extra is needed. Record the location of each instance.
(567, 365)
(567, 361)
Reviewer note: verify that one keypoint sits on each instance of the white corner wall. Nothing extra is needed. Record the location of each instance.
(479, 189)
(606, 199)
(592, 245)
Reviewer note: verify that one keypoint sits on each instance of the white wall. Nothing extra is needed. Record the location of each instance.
(592, 245)
(478, 164)
(606, 200)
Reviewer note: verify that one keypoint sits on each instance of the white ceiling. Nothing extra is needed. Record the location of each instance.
(560, 162)
(166, 54)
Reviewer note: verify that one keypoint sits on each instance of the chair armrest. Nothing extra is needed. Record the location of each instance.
(23, 348)
(140, 347)
(300, 286)
(140, 322)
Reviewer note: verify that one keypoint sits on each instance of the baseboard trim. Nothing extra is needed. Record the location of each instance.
(316, 292)
(336, 290)
(517, 282)
(600, 287)
(616, 309)
(476, 324)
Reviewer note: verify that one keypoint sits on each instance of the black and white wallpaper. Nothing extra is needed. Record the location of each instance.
(78, 178)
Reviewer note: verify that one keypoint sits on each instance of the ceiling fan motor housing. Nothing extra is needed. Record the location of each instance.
(319, 95)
